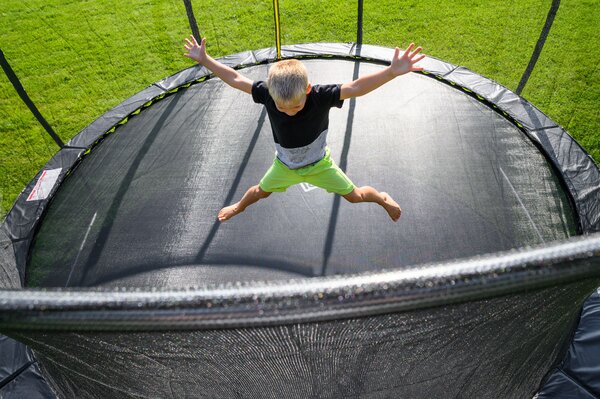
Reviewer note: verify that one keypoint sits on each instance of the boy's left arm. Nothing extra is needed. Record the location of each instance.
(399, 66)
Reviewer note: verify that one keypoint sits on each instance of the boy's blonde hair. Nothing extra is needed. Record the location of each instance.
(287, 81)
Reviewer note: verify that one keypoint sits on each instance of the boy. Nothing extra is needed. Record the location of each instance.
(299, 116)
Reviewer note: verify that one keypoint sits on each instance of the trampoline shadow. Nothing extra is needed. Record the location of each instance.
(109, 219)
(236, 182)
(335, 210)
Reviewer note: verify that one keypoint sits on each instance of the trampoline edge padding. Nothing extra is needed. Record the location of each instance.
(576, 374)
(9, 274)
(20, 376)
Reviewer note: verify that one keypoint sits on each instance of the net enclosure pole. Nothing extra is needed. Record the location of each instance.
(277, 28)
(192, 20)
(539, 46)
(359, 24)
(14, 80)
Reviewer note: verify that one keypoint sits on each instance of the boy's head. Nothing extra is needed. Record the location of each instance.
(288, 85)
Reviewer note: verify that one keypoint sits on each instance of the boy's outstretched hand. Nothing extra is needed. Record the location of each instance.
(399, 66)
(195, 51)
(406, 63)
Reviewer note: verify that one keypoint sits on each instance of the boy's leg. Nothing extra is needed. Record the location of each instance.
(326, 174)
(254, 194)
(369, 194)
(277, 179)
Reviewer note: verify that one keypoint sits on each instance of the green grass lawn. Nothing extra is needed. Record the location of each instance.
(77, 59)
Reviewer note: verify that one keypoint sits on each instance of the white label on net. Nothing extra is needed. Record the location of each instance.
(306, 187)
(44, 185)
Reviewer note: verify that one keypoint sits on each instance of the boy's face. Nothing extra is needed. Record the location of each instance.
(292, 108)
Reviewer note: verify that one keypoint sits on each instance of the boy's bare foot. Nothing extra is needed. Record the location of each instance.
(392, 207)
(228, 212)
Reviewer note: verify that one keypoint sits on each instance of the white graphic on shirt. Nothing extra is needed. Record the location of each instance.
(295, 158)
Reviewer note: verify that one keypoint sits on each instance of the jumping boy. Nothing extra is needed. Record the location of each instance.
(299, 115)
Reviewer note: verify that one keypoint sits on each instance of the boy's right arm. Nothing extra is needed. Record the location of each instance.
(233, 78)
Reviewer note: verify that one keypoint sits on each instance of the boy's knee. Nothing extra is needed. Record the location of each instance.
(261, 193)
(354, 196)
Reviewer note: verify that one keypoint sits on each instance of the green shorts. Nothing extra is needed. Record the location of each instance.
(325, 174)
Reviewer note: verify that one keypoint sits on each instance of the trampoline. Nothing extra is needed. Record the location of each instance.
(304, 294)
(140, 210)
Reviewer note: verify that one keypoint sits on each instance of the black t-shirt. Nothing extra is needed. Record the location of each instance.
(303, 128)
